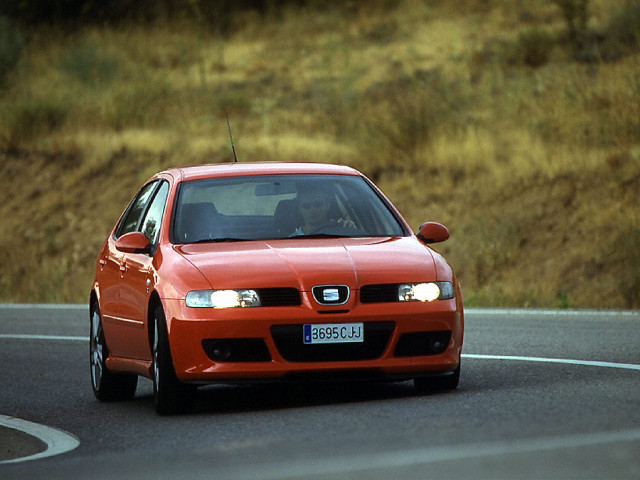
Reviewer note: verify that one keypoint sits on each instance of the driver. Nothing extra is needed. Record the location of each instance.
(313, 207)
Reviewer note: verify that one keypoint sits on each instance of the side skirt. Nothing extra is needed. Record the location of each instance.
(128, 365)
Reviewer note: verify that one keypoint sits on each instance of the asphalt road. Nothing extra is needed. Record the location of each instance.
(542, 395)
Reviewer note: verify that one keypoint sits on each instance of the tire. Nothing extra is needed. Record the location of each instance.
(107, 386)
(170, 394)
(436, 384)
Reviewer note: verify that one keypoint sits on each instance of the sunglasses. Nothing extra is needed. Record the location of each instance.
(316, 204)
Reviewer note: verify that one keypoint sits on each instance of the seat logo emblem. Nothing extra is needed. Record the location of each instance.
(331, 295)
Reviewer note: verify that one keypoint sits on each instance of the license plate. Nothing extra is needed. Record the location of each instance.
(333, 333)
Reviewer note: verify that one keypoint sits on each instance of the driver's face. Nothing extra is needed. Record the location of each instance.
(314, 208)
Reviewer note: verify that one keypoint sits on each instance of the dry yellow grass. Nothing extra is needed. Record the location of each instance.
(535, 170)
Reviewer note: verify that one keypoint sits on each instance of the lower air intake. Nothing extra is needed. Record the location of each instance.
(422, 343)
(236, 350)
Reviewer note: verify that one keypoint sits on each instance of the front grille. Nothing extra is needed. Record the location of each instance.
(289, 342)
(236, 349)
(330, 294)
(422, 343)
(387, 292)
(279, 297)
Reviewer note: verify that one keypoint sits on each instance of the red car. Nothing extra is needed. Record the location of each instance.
(269, 271)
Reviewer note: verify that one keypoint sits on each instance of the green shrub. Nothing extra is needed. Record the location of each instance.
(26, 121)
(139, 104)
(534, 47)
(230, 101)
(403, 116)
(11, 45)
(86, 63)
(76, 13)
(622, 35)
(576, 16)
(626, 255)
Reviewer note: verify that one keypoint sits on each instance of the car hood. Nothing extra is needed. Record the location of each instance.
(304, 263)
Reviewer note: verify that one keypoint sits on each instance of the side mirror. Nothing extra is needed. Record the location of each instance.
(133, 242)
(432, 232)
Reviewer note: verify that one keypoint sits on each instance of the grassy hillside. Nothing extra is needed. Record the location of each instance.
(516, 126)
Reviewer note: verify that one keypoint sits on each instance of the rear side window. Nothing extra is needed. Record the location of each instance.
(151, 222)
(131, 218)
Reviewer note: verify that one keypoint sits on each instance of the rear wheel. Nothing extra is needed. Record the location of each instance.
(435, 384)
(107, 386)
(169, 393)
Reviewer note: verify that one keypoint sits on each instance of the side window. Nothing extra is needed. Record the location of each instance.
(132, 216)
(151, 221)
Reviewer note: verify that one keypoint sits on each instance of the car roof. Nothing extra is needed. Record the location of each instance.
(257, 168)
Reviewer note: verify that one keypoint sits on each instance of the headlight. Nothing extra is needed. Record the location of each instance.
(223, 298)
(425, 292)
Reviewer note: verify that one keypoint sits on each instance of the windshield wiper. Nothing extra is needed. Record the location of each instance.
(218, 240)
(321, 235)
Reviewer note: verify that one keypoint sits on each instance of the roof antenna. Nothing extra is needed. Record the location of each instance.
(233, 148)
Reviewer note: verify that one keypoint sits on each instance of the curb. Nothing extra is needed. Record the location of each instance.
(32, 441)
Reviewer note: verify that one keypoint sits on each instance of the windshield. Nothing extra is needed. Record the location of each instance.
(280, 206)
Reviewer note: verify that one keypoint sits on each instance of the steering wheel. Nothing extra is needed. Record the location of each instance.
(336, 227)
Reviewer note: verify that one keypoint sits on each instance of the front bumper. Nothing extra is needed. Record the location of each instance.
(262, 342)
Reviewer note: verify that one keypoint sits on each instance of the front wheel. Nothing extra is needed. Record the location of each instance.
(107, 386)
(170, 394)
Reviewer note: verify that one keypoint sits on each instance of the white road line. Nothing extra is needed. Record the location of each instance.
(43, 306)
(559, 313)
(57, 441)
(60, 442)
(569, 361)
(43, 337)
(422, 456)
